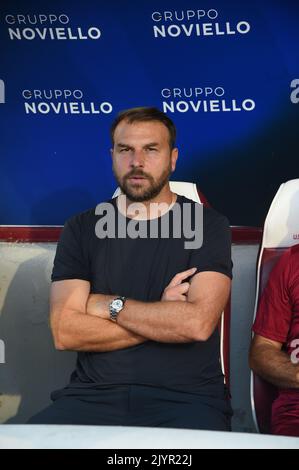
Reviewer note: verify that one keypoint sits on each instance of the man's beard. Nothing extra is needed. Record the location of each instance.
(138, 193)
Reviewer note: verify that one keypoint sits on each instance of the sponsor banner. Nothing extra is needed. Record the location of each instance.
(227, 73)
(56, 26)
(62, 102)
(202, 100)
(196, 23)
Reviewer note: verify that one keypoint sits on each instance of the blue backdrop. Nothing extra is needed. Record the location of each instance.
(226, 72)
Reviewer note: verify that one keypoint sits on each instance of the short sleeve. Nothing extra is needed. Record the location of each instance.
(274, 311)
(215, 252)
(71, 261)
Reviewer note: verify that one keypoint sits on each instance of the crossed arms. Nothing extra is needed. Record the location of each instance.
(187, 311)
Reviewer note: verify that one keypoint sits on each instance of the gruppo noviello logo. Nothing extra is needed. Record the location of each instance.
(63, 101)
(2, 91)
(204, 99)
(196, 23)
(56, 26)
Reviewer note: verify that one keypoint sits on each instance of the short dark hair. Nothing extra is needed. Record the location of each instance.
(144, 114)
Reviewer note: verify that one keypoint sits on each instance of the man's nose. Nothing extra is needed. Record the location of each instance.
(137, 159)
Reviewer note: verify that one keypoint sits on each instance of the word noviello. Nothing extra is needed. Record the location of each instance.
(204, 29)
(207, 106)
(30, 34)
(63, 107)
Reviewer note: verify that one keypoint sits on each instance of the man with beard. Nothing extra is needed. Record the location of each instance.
(142, 311)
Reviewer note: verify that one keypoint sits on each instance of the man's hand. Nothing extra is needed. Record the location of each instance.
(177, 289)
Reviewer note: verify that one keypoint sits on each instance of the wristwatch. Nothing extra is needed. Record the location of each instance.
(115, 307)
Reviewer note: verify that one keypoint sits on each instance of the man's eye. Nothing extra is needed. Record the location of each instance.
(124, 150)
(152, 149)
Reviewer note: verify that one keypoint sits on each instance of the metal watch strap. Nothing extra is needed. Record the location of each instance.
(114, 313)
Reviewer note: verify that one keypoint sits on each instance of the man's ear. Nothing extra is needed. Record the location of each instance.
(174, 157)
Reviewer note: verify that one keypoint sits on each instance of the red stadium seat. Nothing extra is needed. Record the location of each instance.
(281, 230)
(190, 191)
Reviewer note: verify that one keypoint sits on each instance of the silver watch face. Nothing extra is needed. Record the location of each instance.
(117, 304)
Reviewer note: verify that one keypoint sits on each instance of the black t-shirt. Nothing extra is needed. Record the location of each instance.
(140, 269)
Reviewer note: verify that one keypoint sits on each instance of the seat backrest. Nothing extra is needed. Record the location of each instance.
(190, 191)
(281, 230)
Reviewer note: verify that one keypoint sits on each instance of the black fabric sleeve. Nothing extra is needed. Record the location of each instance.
(71, 261)
(215, 253)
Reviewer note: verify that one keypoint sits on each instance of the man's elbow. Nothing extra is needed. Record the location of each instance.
(60, 335)
(201, 332)
(202, 324)
(201, 336)
(60, 327)
(60, 341)
(251, 362)
(253, 358)
(59, 346)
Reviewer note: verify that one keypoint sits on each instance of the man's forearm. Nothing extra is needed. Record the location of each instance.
(79, 331)
(177, 321)
(275, 366)
(169, 322)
